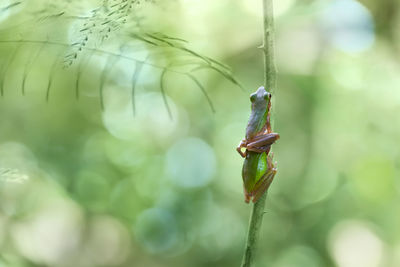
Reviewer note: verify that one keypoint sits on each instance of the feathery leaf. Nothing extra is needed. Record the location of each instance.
(135, 78)
(203, 90)
(111, 60)
(28, 67)
(6, 67)
(10, 6)
(51, 77)
(162, 87)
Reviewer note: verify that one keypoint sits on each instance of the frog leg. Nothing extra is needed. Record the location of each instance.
(264, 185)
(247, 196)
(265, 181)
(242, 143)
(261, 149)
(262, 143)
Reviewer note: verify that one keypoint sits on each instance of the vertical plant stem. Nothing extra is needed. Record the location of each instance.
(254, 231)
(270, 85)
(269, 47)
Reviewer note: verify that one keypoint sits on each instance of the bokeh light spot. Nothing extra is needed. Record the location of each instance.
(319, 183)
(299, 256)
(191, 163)
(108, 243)
(220, 232)
(354, 244)
(374, 178)
(124, 200)
(348, 25)
(7, 7)
(51, 236)
(151, 118)
(156, 230)
(93, 190)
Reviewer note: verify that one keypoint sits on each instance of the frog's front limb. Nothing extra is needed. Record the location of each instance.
(242, 143)
(262, 142)
(259, 144)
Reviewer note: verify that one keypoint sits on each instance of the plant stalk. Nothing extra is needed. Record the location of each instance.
(270, 85)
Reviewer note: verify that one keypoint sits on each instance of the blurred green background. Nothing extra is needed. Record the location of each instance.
(84, 187)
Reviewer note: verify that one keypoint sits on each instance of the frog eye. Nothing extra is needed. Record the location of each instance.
(253, 97)
(267, 96)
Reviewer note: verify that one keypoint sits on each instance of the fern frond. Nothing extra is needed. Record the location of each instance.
(203, 90)
(51, 76)
(164, 36)
(28, 67)
(89, 49)
(6, 67)
(162, 87)
(3, 9)
(135, 78)
(111, 60)
(91, 36)
(106, 19)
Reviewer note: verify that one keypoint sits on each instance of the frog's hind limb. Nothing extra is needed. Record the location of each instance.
(266, 180)
(261, 149)
(247, 196)
(264, 185)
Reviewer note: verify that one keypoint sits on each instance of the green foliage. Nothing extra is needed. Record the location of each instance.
(115, 25)
(85, 187)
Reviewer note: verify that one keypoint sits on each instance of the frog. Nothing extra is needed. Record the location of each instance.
(258, 169)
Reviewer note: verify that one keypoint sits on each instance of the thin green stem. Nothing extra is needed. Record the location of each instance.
(270, 85)
(269, 47)
(253, 232)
